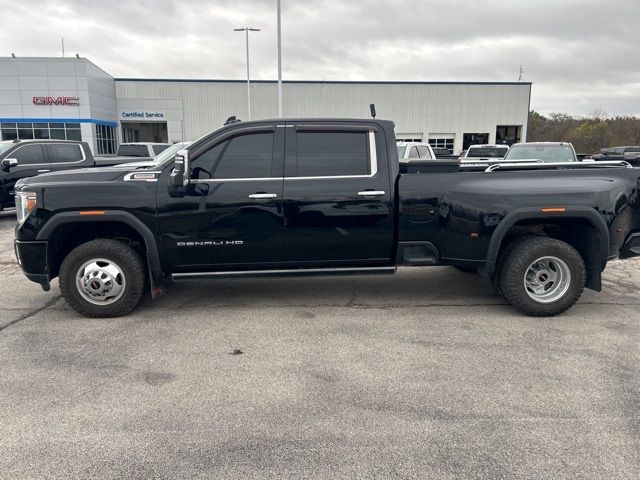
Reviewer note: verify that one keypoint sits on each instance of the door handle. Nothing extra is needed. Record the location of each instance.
(263, 195)
(371, 193)
(43, 171)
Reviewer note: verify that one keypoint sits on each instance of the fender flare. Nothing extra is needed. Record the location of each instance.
(151, 245)
(515, 216)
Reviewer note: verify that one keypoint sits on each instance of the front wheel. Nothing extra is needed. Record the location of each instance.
(102, 278)
(542, 276)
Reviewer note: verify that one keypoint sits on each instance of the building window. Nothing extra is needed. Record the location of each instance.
(508, 134)
(408, 137)
(40, 131)
(442, 142)
(106, 140)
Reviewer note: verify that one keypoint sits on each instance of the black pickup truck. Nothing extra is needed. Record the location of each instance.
(28, 158)
(323, 197)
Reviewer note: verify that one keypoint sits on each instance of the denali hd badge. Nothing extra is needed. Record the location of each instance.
(211, 243)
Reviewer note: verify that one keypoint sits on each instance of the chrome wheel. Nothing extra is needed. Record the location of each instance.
(547, 279)
(100, 281)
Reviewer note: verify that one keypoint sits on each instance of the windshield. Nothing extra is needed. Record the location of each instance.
(546, 153)
(487, 152)
(169, 153)
(5, 146)
(401, 150)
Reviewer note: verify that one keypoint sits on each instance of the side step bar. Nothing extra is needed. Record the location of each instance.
(291, 272)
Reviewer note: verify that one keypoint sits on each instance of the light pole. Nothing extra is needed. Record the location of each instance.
(279, 61)
(247, 30)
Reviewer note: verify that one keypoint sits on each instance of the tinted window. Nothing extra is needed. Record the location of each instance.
(28, 155)
(401, 151)
(65, 153)
(159, 148)
(413, 152)
(424, 153)
(332, 154)
(487, 152)
(133, 151)
(244, 156)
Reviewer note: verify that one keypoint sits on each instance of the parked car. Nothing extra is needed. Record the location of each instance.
(28, 158)
(409, 151)
(162, 157)
(547, 152)
(131, 152)
(484, 152)
(141, 149)
(628, 154)
(323, 198)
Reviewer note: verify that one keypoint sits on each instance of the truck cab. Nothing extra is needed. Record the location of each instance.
(28, 158)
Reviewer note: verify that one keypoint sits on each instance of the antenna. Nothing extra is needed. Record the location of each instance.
(372, 109)
(63, 46)
(520, 77)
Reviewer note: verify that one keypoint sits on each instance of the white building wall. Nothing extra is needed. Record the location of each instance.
(418, 108)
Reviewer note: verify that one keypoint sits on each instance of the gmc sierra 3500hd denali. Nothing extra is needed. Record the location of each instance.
(323, 197)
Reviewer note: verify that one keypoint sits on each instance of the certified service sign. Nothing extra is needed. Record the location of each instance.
(142, 114)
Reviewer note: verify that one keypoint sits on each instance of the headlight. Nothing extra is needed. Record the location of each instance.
(25, 203)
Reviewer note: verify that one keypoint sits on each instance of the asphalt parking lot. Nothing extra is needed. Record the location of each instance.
(426, 374)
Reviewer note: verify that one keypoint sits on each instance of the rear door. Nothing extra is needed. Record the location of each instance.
(230, 216)
(337, 195)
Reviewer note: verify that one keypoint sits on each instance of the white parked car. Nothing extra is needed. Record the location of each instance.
(414, 151)
(484, 152)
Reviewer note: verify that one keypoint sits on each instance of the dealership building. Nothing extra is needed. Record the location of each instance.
(72, 98)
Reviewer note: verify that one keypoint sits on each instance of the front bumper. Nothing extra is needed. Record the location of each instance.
(32, 258)
(631, 246)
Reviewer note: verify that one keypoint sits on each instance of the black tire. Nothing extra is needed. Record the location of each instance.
(513, 243)
(128, 261)
(517, 260)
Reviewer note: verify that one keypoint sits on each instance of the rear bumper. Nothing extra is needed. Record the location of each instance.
(32, 258)
(631, 246)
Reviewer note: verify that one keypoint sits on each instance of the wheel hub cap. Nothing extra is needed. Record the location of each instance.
(100, 281)
(547, 279)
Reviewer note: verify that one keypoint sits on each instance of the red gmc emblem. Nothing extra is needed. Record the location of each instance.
(56, 101)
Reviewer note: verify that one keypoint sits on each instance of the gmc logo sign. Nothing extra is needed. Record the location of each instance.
(56, 101)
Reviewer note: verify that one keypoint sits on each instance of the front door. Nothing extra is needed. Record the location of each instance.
(337, 196)
(230, 216)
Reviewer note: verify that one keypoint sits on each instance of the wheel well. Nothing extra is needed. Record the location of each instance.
(580, 233)
(68, 236)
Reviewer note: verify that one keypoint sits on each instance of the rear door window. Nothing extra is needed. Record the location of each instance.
(332, 153)
(61, 153)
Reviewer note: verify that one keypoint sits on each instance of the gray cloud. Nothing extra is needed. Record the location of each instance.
(580, 55)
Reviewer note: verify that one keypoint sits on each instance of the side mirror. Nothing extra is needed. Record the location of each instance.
(7, 163)
(179, 177)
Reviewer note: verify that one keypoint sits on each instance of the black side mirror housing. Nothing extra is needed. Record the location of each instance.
(178, 177)
(7, 163)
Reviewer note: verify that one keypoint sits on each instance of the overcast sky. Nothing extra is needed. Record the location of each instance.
(580, 55)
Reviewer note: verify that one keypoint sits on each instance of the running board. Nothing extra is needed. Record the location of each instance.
(292, 272)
